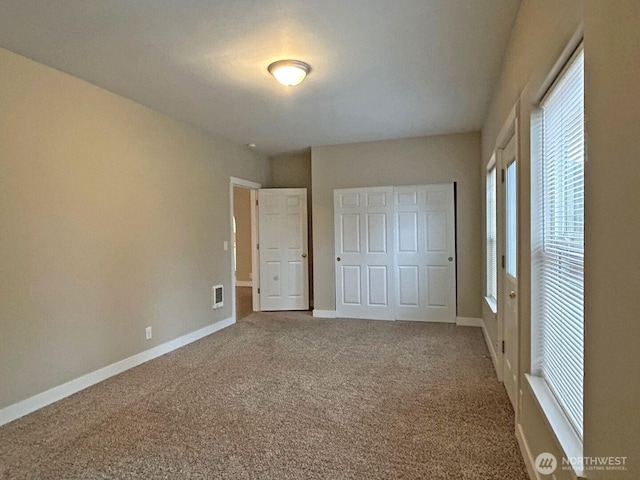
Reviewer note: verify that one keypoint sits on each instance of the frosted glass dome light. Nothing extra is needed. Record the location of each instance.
(289, 72)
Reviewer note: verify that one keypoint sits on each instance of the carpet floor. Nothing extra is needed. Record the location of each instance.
(284, 396)
(244, 302)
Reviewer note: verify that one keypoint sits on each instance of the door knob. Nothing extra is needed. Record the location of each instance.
(450, 259)
(304, 255)
(338, 258)
(512, 295)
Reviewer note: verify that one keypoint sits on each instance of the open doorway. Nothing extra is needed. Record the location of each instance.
(280, 215)
(242, 251)
(244, 255)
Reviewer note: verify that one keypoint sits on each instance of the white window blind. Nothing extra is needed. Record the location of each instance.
(492, 250)
(561, 291)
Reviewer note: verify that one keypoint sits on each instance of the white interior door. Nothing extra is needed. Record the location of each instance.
(363, 220)
(425, 253)
(509, 292)
(284, 265)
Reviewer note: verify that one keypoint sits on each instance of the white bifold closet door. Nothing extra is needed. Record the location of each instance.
(395, 253)
(364, 253)
(425, 253)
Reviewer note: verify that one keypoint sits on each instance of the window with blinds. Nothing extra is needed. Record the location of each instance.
(560, 274)
(492, 249)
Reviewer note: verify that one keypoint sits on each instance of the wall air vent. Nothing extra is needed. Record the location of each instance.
(217, 296)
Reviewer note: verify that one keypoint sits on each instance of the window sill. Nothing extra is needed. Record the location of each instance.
(492, 304)
(567, 438)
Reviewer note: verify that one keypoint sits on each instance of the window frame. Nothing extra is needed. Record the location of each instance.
(491, 233)
(566, 433)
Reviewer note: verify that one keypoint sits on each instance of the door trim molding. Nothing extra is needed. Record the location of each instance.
(508, 132)
(255, 261)
(239, 182)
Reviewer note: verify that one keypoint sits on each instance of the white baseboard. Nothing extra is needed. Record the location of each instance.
(460, 321)
(324, 313)
(20, 409)
(529, 461)
(244, 283)
(424, 321)
(469, 322)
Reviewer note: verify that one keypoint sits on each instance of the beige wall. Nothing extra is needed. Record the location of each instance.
(294, 171)
(410, 161)
(242, 213)
(612, 256)
(291, 171)
(543, 30)
(113, 219)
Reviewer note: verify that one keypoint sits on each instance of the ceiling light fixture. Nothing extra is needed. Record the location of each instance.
(289, 72)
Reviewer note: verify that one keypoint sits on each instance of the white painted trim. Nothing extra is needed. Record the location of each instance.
(239, 182)
(324, 313)
(492, 303)
(492, 352)
(20, 409)
(525, 450)
(419, 320)
(469, 322)
(508, 133)
(244, 283)
(255, 253)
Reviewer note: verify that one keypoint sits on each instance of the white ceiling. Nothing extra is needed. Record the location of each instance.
(380, 68)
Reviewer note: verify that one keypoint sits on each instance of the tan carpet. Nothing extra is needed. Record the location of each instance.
(244, 302)
(285, 396)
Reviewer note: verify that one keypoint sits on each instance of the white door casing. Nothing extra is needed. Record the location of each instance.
(425, 253)
(509, 290)
(363, 226)
(283, 242)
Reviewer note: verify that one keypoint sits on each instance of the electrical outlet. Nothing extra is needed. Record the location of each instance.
(148, 333)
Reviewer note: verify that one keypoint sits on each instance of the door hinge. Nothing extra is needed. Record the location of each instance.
(257, 246)
(502, 175)
(259, 292)
(503, 346)
(256, 201)
(502, 261)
